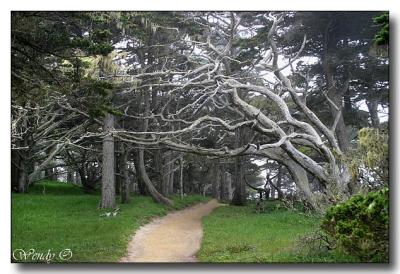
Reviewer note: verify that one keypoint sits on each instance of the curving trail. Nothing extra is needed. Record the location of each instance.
(173, 238)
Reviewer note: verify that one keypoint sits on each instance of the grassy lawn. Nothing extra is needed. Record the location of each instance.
(56, 216)
(239, 234)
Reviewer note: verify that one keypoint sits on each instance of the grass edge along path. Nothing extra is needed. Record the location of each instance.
(233, 234)
(56, 217)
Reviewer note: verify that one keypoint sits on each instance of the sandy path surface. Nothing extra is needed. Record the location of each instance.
(173, 238)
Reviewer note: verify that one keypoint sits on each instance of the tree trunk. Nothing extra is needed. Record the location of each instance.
(22, 180)
(226, 185)
(124, 175)
(239, 195)
(165, 174)
(190, 178)
(19, 177)
(157, 197)
(108, 165)
(118, 183)
(299, 175)
(140, 183)
(14, 170)
(70, 175)
(171, 180)
(181, 177)
(160, 171)
(341, 130)
(279, 182)
(87, 187)
(49, 174)
(216, 180)
(335, 95)
(373, 112)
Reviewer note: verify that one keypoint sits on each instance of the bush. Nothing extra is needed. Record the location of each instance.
(361, 226)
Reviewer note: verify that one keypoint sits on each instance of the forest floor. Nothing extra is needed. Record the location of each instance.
(173, 238)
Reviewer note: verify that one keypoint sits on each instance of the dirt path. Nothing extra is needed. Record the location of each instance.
(173, 238)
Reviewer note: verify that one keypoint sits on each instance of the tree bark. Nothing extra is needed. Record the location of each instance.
(140, 183)
(216, 179)
(108, 165)
(171, 180)
(157, 197)
(373, 112)
(124, 175)
(181, 177)
(334, 94)
(239, 195)
(165, 174)
(87, 186)
(49, 174)
(225, 186)
(15, 174)
(299, 175)
(22, 180)
(70, 175)
(279, 182)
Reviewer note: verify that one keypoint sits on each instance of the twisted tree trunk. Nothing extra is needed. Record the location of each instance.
(158, 197)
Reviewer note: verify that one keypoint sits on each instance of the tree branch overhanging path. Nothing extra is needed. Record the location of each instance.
(216, 86)
(156, 110)
(134, 96)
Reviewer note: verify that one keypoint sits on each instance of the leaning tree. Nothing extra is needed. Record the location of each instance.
(209, 83)
(220, 100)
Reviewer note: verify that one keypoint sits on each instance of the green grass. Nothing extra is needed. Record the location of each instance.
(239, 234)
(63, 217)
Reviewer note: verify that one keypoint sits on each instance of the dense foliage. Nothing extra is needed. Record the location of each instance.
(382, 37)
(369, 163)
(361, 226)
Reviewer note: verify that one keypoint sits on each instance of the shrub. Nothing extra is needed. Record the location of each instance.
(371, 157)
(361, 226)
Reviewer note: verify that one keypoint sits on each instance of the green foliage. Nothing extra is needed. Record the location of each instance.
(372, 153)
(98, 95)
(239, 234)
(374, 144)
(361, 226)
(382, 37)
(57, 216)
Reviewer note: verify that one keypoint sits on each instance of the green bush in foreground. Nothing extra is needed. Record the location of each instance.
(361, 226)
